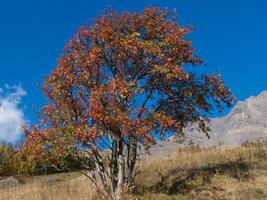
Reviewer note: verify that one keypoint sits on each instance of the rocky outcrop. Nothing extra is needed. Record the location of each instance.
(247, 121)
(8, 182)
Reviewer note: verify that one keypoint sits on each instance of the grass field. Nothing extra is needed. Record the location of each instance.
(195, 173)
(190, 173)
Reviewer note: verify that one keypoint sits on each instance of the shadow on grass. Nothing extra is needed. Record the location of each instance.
(180, 181)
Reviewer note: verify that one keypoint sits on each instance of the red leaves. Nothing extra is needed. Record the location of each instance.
(92, 132)
(43, 122)
(125, 75)
(86, 33)
(69, 44)
(167, 122)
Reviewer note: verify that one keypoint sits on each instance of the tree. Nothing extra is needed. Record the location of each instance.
(7, 153)
(119, 84)
(25, 162)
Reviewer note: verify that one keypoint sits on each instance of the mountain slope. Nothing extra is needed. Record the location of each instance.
(246, 122)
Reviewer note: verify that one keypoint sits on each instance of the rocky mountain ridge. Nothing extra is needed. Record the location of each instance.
(247, 121)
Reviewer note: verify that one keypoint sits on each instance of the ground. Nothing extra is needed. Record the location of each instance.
(189, 173)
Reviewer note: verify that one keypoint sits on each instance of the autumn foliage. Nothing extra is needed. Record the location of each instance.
(120, 83)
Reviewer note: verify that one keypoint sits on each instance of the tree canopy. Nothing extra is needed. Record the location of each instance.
(121, 82)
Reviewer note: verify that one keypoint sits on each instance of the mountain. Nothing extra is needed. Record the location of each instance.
(247, 121)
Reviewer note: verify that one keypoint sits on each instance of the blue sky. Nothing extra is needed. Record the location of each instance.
(230, 36)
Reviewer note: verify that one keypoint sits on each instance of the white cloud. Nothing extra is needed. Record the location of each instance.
(11, 114)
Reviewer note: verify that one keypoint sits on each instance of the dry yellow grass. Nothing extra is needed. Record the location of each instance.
(191, 173)
(195, 173)
(54, 187)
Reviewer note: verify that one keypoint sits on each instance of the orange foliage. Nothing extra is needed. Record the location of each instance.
(125, 76)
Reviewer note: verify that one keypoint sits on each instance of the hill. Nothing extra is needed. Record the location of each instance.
(247, 121)
(175, 171)
(189, 173)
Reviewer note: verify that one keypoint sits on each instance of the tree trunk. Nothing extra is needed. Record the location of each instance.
(120, 184)
(113, 165)
(131, 160)
(121, 166)
(101, 172)
(121, 173)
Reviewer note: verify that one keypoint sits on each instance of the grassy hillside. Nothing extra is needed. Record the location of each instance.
(190, 173)
(195, 173)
